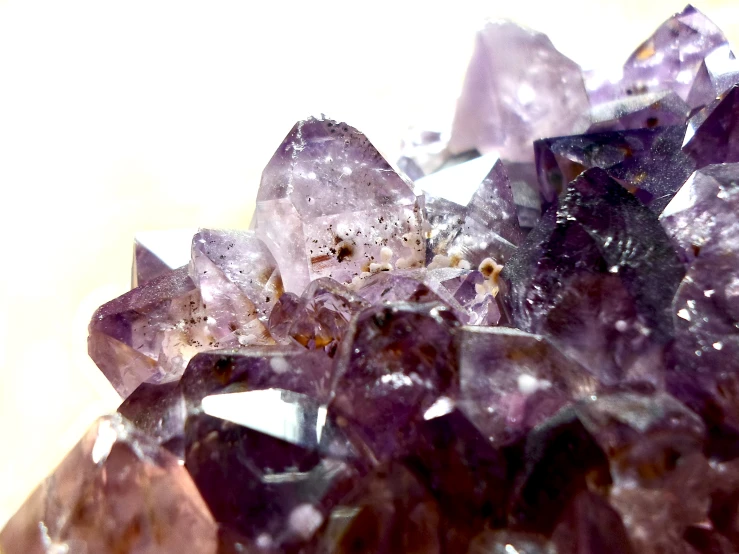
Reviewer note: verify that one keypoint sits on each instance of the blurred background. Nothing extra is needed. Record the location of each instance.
(118, 117)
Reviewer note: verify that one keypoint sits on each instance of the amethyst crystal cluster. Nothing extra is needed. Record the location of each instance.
(532, 352)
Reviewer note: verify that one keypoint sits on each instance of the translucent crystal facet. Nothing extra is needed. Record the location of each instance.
(117, 491)
(329, 205)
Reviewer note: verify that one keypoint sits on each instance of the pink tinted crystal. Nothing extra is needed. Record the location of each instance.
(117, 491)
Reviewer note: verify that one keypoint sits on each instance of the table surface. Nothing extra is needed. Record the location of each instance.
(118, 118)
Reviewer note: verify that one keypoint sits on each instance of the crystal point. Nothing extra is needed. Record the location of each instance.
(329, 205)
(117, 491)
(518, 88)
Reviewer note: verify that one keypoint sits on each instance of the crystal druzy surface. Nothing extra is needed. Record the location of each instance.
(534, 350)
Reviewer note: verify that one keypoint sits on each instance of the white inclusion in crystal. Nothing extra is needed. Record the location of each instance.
(311, 175)
(684, 314)
(621, 325)
(346, 170)
(264, 541)
(304, 520)
(718, 345)
(279, 364)
(441, 407)
(510, 549)
(107, 435)
(386, 255)
(528, 384)
(709, 293)
(397, 380)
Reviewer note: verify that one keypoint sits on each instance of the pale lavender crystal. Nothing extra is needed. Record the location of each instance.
(511, 381)
(149, 333)
(707, 202)
(518, 88)
(117, 491)
(597, 277)
(645, 111)
(647, 162)
(329, 205)
(423, 152)
(237, 267)
(712, 134)
(157, 252)
(146, 265)
(319, 318)
(472, 222)
(668, 60)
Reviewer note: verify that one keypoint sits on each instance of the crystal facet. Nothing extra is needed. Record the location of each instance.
(518, 88)
(117, 491)
(329, 205)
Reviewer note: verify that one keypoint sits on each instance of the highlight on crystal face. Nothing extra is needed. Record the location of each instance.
(526, 341)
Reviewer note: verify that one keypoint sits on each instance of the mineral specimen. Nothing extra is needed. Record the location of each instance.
(518, 88)
(431, 378)
(117, 491)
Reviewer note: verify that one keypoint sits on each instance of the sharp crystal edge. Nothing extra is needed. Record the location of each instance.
(527, 342)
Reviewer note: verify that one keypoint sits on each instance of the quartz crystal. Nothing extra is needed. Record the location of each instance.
(117, 491)
(518, 88)
(532, 348)
(647, 162)
(669, 60)
(712, 134)
(329, 205)
(598, 277)
(469, 226)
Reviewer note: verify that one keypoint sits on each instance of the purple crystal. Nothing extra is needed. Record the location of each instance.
(117, 491)
(158, 410)
(655, 447)
(598, 277)
(320, 317)
(390, 512)
(645, 111)
(265, 478)
(518, 88)
(464, 472)
(146, 265)
(157, 252)
(712, 134)
(149, 333)
(472, 224)
(647, 162)
(234, 269)
(559, 459)
(667, 61)
(329, 205)
(397, 362)
(703, 206)
(591, 526)
(511, 381)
